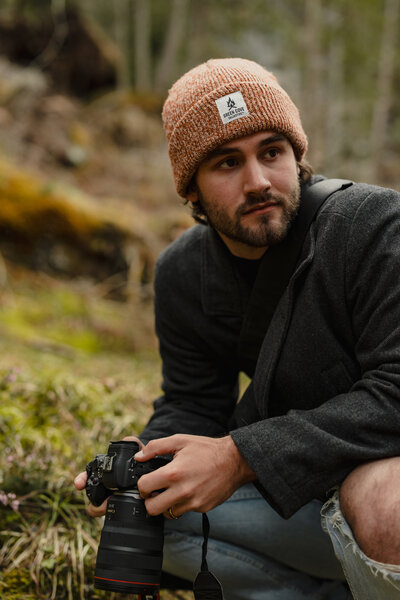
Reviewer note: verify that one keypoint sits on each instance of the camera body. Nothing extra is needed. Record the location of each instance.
(129, 557)
(117, 470)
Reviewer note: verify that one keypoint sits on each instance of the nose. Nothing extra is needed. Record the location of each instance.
(255, 178)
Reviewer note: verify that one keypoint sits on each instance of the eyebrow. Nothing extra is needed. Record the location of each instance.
(272, 139)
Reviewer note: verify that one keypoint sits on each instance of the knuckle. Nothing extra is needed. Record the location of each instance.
(186, 494)
(174, 475)
(150, 508)
(141, 485)
(194, 506)
(149, 446)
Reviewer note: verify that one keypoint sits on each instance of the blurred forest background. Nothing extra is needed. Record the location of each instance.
(87, 202)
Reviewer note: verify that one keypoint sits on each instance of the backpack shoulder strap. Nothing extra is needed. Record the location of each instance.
(320, 191)
(276, 269)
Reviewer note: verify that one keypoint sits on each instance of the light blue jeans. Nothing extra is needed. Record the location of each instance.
(257, 555)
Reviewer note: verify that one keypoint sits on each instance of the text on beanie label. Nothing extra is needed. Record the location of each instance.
(231, 107)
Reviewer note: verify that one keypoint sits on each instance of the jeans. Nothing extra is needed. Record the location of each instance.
(257, 555)
(367, 578)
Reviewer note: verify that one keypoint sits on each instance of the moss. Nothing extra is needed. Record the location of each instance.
(30, 205)
(17, 582)
(64, 318)
(68, 235)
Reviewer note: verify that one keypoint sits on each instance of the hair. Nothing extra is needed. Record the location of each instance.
(305, 173)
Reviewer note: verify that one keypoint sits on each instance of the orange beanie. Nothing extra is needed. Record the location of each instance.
(222, 100)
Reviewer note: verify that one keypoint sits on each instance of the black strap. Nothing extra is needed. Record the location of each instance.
(206, 586)
(206, 533)
(276, 268)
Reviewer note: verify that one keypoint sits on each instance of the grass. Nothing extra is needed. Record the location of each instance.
(74, 373)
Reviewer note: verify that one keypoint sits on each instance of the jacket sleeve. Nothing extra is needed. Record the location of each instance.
(199, 383)
(302, 454)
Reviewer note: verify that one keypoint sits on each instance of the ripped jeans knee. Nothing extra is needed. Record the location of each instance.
(367, 578)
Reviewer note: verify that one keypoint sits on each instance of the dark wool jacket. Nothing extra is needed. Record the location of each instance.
(325, 395)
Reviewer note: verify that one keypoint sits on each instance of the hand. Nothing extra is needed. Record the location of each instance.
(203, 473)
(80, 483)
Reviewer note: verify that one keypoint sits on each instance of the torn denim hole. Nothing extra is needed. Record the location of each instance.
(334, 523)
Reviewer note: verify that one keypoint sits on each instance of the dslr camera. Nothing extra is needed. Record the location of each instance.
(130, 553)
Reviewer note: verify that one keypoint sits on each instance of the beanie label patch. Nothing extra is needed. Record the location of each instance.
(232, 107)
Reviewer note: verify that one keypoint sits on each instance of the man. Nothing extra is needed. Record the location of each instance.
(322, 409)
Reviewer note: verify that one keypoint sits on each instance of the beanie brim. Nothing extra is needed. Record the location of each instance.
(194, 132)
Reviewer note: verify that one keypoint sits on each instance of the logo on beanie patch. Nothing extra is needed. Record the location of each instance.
(232, 107)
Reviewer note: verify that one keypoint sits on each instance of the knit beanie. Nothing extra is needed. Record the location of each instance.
(219, 101)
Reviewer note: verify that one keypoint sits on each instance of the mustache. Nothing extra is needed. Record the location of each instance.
(254, 200)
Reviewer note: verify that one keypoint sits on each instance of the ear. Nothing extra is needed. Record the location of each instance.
(192, 195)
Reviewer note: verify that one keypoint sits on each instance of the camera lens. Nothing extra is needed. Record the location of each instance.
(129, 557)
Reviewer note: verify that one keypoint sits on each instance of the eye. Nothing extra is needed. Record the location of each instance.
(271, 153)
(228, 163)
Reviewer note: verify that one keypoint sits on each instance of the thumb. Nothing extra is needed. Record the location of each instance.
(80, 480)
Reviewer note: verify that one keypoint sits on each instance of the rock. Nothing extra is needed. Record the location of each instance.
(45, 231)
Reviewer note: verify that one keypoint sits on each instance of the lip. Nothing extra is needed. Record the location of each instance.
(260, 209)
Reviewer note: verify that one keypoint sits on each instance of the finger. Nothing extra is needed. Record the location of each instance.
(174, 512)
(133, 438)
(80, 480)
(155, 481)
(168, 445)
(176, 495)
(157, 505)
(98, 511)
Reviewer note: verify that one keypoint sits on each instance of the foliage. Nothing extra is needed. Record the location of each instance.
(51, 425)
(60, 404)
(68, 319)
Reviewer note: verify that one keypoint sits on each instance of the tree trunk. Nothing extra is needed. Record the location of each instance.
(381, 109)
(314, 81)
(167, 65)
(121, 38)
(142, 45)
(199, 23)
(334, 102)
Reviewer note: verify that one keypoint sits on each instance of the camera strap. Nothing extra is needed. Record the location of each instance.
(206, 586)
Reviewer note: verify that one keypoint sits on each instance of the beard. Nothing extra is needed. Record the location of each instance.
(266, 230)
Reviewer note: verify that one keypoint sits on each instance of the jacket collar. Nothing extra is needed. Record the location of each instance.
(222, 294)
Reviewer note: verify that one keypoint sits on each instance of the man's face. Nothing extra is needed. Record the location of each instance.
(249, 189)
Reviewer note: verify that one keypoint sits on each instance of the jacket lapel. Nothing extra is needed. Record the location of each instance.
(276, 334)
(220, 286)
